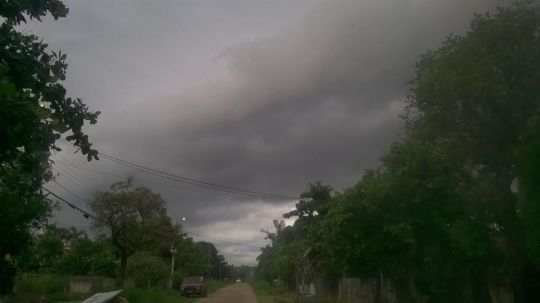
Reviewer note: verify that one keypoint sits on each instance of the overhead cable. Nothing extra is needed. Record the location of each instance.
(188, 180)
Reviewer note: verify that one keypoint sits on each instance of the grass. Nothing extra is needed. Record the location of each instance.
(263, 291)
(56, 289)
(41, 284)
(138, 295)
(53, 287)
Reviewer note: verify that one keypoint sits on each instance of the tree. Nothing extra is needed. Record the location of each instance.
(278, 260)
(132, 218)
(289, 244)
(313, 202)
(34, 111)
(212, 262)
(59, 250)
(243, 272)
(451, 214)
(410, 221)
(47, 249)
(476, 96)
(85, 256)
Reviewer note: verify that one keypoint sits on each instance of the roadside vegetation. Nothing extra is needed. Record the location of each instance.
(58, 255)
(35, 110)
(451, 214)
(55, 288)
(51, 287)
(266, 293)
(263, 291)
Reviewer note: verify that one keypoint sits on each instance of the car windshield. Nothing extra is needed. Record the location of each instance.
(192, 280)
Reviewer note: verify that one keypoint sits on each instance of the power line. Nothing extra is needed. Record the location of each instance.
(72, 193)
(158, 183)
(84, 212)
(71, 177)
(116, 177)
(188, 180)
(195, 182)
(88, 215)
(71, 167)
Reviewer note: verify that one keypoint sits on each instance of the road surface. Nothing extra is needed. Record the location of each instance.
(234, 293)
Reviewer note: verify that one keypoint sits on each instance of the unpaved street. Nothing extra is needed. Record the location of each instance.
(235, 293)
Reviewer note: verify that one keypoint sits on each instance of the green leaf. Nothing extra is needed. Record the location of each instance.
(59, 127)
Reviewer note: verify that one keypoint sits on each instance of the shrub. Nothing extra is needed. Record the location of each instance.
(147, 270)
(42, 284)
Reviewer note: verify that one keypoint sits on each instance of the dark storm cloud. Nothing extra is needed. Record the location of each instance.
(249, 94)
(317, 100)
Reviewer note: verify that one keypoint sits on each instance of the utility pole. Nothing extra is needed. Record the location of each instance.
(210, 267)
(173, 253)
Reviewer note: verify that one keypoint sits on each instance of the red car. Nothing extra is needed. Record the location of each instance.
(193, 286)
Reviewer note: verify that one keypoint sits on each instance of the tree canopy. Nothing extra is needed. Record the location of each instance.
(451, 213)
(34, 111)
(132, 218)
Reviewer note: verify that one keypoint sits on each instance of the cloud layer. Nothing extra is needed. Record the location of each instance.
(261, 95)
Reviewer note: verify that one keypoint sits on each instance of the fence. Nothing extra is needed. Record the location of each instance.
(51, 284)
(353, 290)
(83, 285)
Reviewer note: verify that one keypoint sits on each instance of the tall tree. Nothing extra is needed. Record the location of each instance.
(132, 218)
(451, 215)
(313, 205)
(34, 111)
(476, 95)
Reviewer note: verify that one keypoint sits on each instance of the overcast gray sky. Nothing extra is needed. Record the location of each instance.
(262, 95)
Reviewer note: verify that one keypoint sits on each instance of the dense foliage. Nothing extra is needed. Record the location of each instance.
(34, 111)
(451, 214)
(133, 225)
(68, 252)
(134, 220)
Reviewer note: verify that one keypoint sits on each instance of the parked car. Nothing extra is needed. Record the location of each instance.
(194, 286)
(238, 280)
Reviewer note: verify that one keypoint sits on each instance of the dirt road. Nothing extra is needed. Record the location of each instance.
(234, 293)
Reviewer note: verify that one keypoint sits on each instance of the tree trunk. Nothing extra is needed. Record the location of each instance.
(123, 265)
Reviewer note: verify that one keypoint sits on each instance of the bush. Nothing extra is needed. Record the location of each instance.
(42, 284)
(147, 270)
(87, 257)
